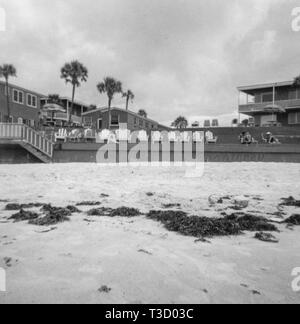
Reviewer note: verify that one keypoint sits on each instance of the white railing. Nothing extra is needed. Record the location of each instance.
(27, 135)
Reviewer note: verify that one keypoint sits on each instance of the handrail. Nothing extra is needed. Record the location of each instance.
(27, 135)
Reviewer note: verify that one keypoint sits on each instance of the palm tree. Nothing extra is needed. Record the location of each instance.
(129, 95)
(74, 73)
(110, 86)
(180, 123)
(142, 113)
(297, 81)
(6, 71)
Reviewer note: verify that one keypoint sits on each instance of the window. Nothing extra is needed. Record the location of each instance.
(18, 96)
(87, 121)
(293, 94)
(114, 120)
(267, 97)
(99, 124)
(135, 121)
(294, 118)
(141, 123)
(31, 100)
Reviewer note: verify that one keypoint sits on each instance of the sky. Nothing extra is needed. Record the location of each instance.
(179, 57)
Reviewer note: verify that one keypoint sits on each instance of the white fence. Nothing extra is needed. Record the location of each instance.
(27, 135)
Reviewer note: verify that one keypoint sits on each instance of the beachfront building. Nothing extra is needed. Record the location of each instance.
(24, 105)
(272, 104)
(79, 108)
(99, 120)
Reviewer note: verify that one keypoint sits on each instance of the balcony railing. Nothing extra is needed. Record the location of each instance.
(64, 116)
(259, 107)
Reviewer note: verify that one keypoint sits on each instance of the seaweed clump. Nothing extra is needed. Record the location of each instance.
(54, 215)
(23, 215)
(293, 220)
(110, 212)
(290, 202)
(22, 206)
(201, 227)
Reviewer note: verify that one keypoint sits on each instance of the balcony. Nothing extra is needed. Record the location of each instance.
(259, 107)
(64, 117)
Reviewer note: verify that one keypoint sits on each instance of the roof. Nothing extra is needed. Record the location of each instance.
(23, 89)
(265, 86)
(122, 110)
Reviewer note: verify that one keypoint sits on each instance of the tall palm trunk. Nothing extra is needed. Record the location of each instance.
(127, 102)
(109, 113)
(7, 100)
(72, 105)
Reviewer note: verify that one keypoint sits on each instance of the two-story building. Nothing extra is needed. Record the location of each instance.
(99, 119)
(24, 104)
(271, 104)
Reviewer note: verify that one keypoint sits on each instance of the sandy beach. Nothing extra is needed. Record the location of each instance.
(137, 258)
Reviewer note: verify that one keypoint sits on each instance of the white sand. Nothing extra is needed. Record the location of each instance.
(72, 262)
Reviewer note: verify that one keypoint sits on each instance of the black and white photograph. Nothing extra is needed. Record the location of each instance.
(149, 154)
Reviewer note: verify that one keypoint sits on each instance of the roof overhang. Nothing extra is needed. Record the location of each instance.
(252, 88)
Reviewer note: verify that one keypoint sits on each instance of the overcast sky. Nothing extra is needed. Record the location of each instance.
(179, 57)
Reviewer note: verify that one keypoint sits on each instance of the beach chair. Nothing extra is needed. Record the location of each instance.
(215, 123)
(123, 134)
(210, 138)
(74, 135)
(185, 137)
(88, 135)
(173, 136)
(61, 135)
(112, 138)
(156, 136)
(143, 136)
(104, 135)
(198, 137)
(207, 123)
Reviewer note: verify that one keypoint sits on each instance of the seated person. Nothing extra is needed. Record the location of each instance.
(270, 138)
(241, 137)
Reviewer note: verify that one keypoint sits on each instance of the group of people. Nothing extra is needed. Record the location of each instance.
(246, 138)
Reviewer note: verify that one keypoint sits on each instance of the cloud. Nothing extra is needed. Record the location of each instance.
(178, 56)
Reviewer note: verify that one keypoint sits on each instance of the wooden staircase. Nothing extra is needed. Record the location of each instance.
(31, 140)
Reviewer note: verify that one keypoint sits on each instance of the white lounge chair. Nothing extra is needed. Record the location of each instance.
(88, 134)
(104, 135)
(156, 136)
(210, 138)
(173, 136)
(143, 136)
(185, 137)
(198, 137)
(123, 134)
(61, 135)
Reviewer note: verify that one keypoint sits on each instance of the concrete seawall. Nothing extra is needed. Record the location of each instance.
(73, 152)
(86, 153)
